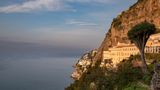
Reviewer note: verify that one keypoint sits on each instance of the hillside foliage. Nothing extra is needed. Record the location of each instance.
(125, 77)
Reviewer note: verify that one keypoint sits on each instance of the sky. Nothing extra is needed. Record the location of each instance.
(58, 28)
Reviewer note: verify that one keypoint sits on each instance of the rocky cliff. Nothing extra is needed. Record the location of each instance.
(83, 64)
(143, 10)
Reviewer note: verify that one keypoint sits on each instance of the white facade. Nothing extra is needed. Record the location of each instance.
(123, 51)
(117, 54)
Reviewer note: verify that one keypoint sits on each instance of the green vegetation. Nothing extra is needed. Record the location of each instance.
(125, 77)
(137, 86)
(117, 22)
(139, 35)
(134, 5)
(152, 56)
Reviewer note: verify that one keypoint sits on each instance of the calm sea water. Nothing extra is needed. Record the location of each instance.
(36, 74)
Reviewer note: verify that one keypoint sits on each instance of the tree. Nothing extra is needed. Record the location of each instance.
(139, 35)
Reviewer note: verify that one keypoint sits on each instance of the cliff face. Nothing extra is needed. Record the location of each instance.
(83, 64)
(143, 10)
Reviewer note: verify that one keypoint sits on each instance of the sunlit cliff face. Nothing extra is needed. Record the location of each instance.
(148, 10)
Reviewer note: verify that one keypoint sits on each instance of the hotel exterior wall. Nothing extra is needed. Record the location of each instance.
(124, 51)
(117, 54)
(152, 49)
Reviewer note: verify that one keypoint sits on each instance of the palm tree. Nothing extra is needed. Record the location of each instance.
(139, 35)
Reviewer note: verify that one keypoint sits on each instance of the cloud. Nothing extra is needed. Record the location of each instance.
(46, 5)
(50, 42)
(80, 37)
(90, 1)
(70, 38)
(34, 5)
(81, 23)
(15, 49)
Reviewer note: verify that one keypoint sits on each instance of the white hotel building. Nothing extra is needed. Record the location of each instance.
(124, 51)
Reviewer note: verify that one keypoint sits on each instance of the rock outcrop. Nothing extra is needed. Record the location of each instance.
(83, 64)
(143, 10)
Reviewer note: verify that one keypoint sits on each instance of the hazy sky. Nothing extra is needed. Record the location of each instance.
(55, 27)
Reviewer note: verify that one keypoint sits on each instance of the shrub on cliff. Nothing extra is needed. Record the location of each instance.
(95, 76)
(127, 74)
(122, 77)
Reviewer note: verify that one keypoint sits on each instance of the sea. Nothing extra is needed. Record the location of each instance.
(45, 73)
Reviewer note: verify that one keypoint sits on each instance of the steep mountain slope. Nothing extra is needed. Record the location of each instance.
(143, 10)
